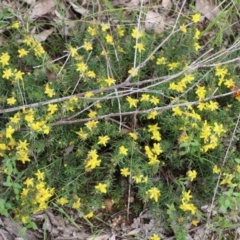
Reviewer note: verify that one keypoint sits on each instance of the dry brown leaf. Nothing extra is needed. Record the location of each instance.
(4, 235)
(207, 8)
(200, 233)
(68, 150)
(29, 1)
(100, 237)
(13, 229)
(134, 232)
(1, 40)
(68, 24)
(79, 9)
(108, 202)
(42, 36)
(167, 4)
(154, 21)
(126, 3)
(41, 8)
(80, 235)
(113, 237)
(5, 4)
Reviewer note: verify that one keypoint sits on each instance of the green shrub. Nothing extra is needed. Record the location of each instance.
(122, 106)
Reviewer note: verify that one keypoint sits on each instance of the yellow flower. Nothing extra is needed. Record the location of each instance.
(238, 168)
(62, 201)
(9, 131)
(154, 193)
(7, 73)
(81, 67)
(123, 150)
(155, 101)
(138, 179)
(88, 94)
(227, 179)
(105, 27)
(22, 145)
(155, 237)
(24, 192)
(221, 71)
(28, 41)
(89, 215)
(4, 59)
(120, 49)
(73, 51)
(229, 83)
(102, 140)
(82, 134)
(91, 74)
(196, 46)
(216, 169)
(92, 163)
(38, 49)
(11, 101)
(92, 114)
(183, 28)
(218, 129)
(205, 131)
(161, 61)
(15, 118)
(195, 222)
(15, 25)
(157, 149)
(196, 17)
(120, 31)
(192, 174)
(212, 106)
(110, 81)
(125, 172)
(197, 34)
(29, 182)
(3, 146)
(109, 39)
(136, 33)
(201, 92)
(52, 108)
(133, 72)
(132, 102)
(25, 219)
(22, 155)
(177, 111)
(153, 128)
(40, 175)
(139, 47)
(88, 46)
(186, 196)
(133, 135)
(188, 207)
(18, 75)
(29, 117)
(173, 65)
(77, 204)
(201, 106)
(22, 52)
(153, 160)
(101, 187)
(48, 91)
(145, 98)
(91, 124)
(92, 31)
(152, 114)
